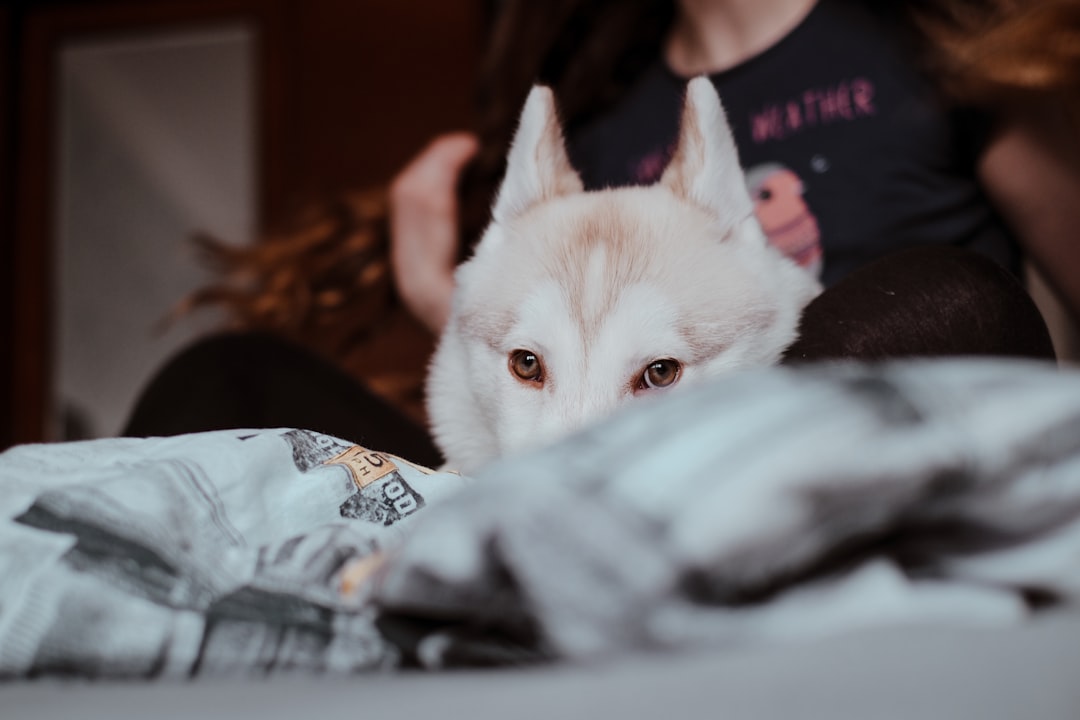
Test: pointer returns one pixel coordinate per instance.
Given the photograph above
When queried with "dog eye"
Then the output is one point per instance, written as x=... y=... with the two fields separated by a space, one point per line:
x=660 y=374
x=526 y=365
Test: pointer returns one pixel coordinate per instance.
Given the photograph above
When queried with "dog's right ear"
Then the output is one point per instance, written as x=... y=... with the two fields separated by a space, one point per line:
x=538 y=167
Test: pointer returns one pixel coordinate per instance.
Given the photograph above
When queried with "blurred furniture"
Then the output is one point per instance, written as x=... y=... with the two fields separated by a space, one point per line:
x=344 y=93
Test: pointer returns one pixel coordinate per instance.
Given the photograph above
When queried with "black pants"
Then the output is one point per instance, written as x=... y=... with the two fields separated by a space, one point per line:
x=248 y=380
x=921 y=302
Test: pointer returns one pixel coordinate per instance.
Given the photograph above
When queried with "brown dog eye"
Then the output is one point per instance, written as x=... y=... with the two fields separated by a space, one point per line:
x=526 y=365
x=660 y=374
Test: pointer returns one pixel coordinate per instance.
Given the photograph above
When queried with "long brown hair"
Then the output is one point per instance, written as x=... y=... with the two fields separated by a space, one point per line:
x=987 y=51
x=327 y=283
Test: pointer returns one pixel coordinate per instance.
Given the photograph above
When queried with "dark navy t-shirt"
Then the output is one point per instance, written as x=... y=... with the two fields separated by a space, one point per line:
x=848 y=152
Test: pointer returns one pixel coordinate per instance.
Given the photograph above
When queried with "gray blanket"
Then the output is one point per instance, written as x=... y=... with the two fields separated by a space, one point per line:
x=766 y=507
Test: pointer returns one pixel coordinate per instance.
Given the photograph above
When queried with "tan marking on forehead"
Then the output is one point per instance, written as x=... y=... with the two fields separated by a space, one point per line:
x=592 y=290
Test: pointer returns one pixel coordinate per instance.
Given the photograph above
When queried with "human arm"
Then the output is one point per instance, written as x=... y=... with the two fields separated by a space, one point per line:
x=424 y=238
x=1031 y=171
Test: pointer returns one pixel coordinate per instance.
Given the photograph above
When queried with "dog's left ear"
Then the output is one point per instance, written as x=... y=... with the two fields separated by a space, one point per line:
x=538 y=168
x=705 y=169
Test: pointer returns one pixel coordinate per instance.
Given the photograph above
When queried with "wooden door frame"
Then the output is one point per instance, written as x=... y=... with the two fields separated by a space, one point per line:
x=7 y=240
x=27 y=395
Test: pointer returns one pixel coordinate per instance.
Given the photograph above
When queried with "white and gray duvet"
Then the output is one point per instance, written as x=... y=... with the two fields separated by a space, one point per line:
x=762 y=508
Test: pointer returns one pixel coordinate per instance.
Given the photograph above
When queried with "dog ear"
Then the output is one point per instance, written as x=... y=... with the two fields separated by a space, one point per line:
x=705 y=168
x=538 y=168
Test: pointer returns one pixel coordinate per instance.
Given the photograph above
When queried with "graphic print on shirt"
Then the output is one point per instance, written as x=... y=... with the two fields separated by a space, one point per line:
x=789 y=225
x=777 y=188
x=844 y=101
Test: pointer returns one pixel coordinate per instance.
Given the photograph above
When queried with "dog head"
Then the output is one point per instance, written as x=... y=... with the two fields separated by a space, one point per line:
x=575 y=302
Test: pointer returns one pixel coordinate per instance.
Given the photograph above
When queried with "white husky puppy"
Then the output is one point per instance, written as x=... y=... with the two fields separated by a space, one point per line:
x=575 y=302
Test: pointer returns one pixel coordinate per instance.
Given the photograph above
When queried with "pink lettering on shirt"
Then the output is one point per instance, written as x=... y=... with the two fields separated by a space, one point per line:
x=845 y=101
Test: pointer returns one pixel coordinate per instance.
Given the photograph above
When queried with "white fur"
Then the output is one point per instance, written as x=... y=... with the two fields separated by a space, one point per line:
x=601 y=284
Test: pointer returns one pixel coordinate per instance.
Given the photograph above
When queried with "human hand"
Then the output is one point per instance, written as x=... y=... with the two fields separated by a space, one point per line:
x=424 y=226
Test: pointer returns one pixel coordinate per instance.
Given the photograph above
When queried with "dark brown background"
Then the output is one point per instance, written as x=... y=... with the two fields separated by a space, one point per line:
x=347 y=91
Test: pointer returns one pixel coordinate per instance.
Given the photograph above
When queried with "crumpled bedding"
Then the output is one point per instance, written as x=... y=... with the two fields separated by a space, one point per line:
x=197 y=555
x=766 y=507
